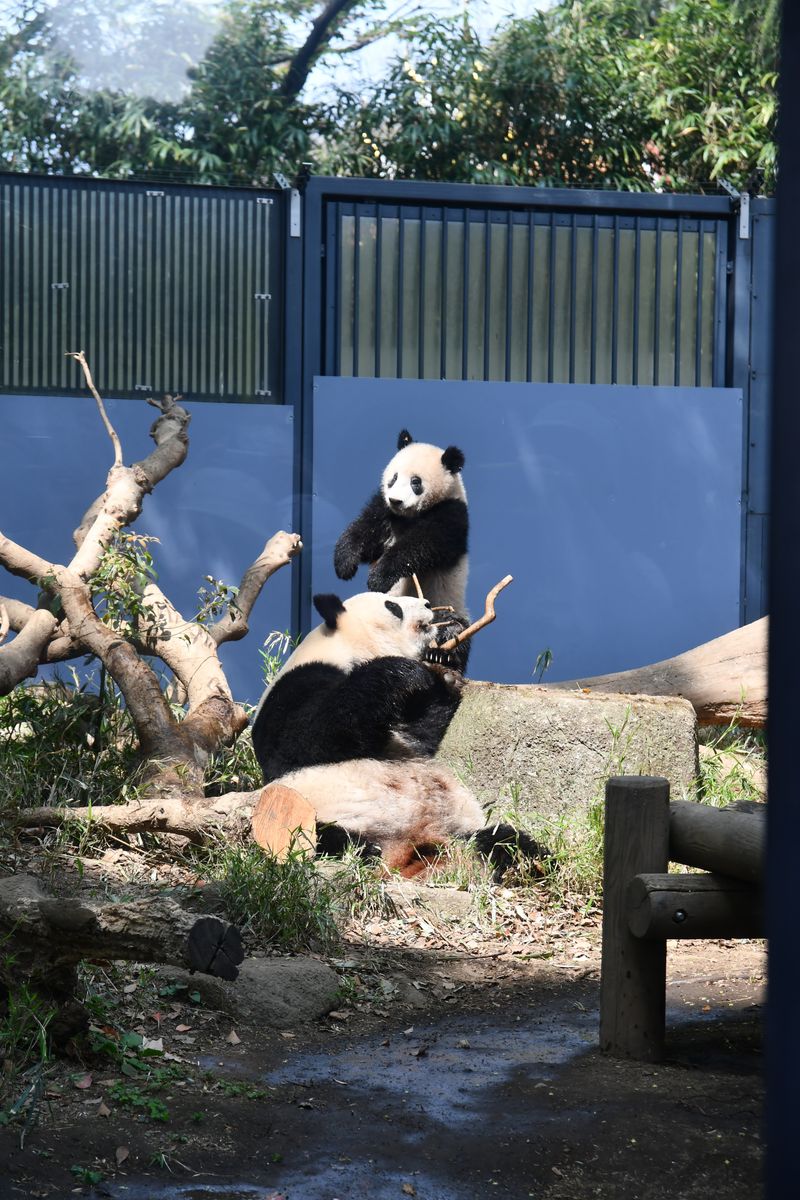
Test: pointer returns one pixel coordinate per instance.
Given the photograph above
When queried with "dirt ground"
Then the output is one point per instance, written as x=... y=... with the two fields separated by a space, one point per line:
x=460 y=1062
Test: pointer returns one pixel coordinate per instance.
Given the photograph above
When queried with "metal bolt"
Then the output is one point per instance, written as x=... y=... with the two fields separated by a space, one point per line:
x=679 y=916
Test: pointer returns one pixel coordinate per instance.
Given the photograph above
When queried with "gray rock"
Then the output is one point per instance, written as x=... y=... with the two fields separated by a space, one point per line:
x=278 y=993
x=551 y=751
x=285 y=992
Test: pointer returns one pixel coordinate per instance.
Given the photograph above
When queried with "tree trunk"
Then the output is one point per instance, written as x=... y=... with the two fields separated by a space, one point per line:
x=48 y=936
x=725 y=679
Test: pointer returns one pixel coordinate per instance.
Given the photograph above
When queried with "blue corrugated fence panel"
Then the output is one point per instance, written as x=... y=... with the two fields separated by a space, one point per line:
x=617 y=509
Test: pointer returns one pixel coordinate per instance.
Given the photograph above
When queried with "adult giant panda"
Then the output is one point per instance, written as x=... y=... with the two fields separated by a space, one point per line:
x=352 y=722
x=416 y=524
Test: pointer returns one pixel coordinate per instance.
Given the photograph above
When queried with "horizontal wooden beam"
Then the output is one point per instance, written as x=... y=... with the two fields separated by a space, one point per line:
x=693 y=906
x=718 y=839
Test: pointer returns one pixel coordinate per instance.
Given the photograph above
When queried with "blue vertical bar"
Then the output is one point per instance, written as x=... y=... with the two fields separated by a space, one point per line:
x=332 y=273
x=593 y=346
x=487 y=291
x=783 y=812
x=637 y=266
x=678 y=288
x=509 y=288
x=720 y=303
x=421 y=298
x=698 y=334
x=551 y=309
x=305 y=341
x=615 y=304
x=356 y=287
x=465 y=302
x=529 y=313
x=378 y=268
x=573 y=287
x=657 y=306
x=443 y=302
x=401 y=254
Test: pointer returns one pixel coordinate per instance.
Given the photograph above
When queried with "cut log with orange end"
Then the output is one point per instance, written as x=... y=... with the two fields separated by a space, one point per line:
x=284 y=819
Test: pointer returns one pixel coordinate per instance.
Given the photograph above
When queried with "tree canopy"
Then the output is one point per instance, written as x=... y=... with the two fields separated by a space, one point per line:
x=673 y=94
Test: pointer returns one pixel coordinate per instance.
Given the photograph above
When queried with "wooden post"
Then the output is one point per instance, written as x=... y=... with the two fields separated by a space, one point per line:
x=634 y=972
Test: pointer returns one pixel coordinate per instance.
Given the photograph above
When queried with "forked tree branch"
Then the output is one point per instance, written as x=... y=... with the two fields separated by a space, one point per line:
x=487 y=618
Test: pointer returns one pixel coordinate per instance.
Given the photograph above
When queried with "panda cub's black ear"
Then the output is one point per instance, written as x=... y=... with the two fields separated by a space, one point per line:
x=329 y=607
x=404 y=439
x=453 y=459
x=394 y=608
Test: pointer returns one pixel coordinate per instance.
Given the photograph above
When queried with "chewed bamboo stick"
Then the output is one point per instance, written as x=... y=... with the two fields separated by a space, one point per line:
x=486 y=619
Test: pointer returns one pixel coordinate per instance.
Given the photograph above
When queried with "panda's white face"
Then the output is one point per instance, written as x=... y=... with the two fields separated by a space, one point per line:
x=418 y=477
x=369 y=625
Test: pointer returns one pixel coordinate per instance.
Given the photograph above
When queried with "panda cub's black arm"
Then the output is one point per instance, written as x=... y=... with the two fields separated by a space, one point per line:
x=435 y=540
x=363 y=539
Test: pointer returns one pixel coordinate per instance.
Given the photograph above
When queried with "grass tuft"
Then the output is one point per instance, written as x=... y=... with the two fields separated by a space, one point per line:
x=285 y=904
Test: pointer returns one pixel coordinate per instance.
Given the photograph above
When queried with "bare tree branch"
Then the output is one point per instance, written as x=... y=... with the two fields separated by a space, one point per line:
x=278 y=552
x=80 y=357
x=126 y=487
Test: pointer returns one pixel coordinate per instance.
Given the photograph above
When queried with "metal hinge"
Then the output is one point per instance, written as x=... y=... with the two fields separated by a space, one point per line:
x=150 y=192
x=143 y=387
x=264 y=200
x=59 y=287
x=263 y=392
x=741 y=204
x=262 y=295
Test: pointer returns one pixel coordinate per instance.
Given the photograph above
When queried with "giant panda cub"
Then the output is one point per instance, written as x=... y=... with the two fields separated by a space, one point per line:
x=416 y=524
x=352 y=722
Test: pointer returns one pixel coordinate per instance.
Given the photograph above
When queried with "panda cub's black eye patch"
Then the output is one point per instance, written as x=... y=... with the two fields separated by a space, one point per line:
x=392 y=481
x=394 y=608
x=416 y=485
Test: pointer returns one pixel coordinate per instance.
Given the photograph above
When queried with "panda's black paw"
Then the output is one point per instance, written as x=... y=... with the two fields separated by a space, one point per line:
x=504 y=847
x=380 y=580
x=345 y=561
x=449 y=675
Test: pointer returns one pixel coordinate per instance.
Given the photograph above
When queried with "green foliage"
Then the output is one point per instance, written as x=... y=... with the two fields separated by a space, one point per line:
x=281 y=903
x=120 y=580
x=276 y=649
x=129 y=1096
x=637 y=94
x=23 y=1027
x=86 y=1175
x=65 y=744
x=600 y=93
x=214 y=598
x=119 y=88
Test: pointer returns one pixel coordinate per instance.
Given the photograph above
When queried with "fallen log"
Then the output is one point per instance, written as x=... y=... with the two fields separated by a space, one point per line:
x=47 y=935
x=724 y=679
x=197 y=819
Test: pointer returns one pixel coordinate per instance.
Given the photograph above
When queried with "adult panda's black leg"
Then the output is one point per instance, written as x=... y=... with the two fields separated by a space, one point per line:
x=504 y=846
x=334 y=841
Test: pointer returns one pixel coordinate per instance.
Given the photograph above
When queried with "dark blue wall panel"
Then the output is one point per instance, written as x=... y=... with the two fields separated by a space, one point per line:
x=212 y=515
x=617 y=510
